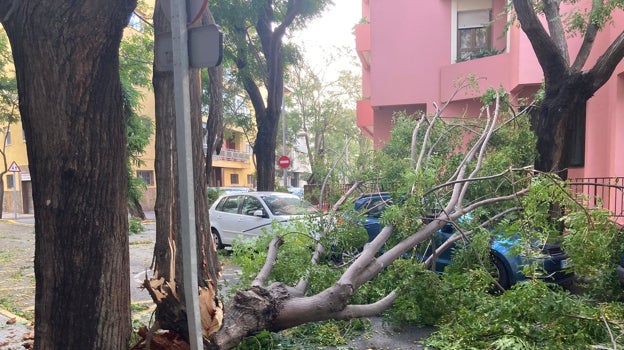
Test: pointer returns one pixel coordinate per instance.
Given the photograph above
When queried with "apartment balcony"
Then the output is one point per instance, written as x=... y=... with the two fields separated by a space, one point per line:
x=364 y=116
x=230 y=155
x=363 y=43
x=492 y=71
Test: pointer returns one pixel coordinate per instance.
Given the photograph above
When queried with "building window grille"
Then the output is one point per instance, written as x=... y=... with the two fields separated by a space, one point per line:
x=147 y=176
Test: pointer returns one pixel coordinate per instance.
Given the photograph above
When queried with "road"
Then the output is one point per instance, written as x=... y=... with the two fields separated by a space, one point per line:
x=17 y=292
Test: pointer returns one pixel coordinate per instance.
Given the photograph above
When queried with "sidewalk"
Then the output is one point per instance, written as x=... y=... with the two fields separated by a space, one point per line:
x=16 y=333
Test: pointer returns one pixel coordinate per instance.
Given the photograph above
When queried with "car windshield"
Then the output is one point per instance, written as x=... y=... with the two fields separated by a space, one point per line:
x=288 y=205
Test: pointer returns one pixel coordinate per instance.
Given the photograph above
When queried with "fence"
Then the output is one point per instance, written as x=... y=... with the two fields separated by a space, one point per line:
x=605 y=192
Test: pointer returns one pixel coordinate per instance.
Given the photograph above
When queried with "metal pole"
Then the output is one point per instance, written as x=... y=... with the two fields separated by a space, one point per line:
x=14 y=196
x=284 y=172
x=185 y=170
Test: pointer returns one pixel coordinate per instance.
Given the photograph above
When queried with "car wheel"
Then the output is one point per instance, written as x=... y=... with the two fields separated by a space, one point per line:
x=499 y=272
x=216 y=238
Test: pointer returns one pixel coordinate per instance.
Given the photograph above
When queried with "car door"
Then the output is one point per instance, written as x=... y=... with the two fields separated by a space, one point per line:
x=249 y=223
x=226 y=214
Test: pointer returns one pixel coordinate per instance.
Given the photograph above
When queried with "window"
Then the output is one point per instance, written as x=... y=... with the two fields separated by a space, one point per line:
x=147 y=176
x=234 y=179
x=229 y=204
x=250 y=180
x=250 y=205
x=230 y=143
x=10 y=181
x=473 y=34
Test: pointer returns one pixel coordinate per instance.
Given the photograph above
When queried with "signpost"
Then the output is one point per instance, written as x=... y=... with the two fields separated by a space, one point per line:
x=172 y=53
x=15 y=169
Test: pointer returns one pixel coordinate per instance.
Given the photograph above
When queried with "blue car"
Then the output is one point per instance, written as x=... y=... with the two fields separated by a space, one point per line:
x=508 y=266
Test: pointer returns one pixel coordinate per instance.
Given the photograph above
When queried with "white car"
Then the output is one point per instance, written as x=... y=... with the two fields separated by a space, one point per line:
x=250 y=213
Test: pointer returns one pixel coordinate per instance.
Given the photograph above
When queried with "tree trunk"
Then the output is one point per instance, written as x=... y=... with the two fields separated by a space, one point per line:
x=67 y=68
x=214 y=125
x=136 y=210
x=167 y=287
x=2 y=192
x=264 y=149
x=562 y=110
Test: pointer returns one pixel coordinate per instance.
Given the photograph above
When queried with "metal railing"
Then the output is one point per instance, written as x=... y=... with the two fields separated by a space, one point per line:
x=605 y=192
x=231 y=155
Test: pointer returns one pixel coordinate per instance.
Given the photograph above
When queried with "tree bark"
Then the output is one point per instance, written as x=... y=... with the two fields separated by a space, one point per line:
x=563 y=106
x=67 y=69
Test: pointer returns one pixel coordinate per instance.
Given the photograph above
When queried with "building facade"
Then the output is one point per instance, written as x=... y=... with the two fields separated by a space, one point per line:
x=413 y=53
x=233 y=166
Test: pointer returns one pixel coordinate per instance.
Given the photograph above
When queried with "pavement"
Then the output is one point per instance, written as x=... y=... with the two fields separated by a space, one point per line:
x=17 y=292
x=17 y=244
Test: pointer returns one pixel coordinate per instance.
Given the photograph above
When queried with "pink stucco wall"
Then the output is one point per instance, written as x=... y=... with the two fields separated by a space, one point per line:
x=404 y=47
x=411 y=65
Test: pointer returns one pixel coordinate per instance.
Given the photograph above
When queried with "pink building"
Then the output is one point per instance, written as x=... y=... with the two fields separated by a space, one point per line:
x=414 y=52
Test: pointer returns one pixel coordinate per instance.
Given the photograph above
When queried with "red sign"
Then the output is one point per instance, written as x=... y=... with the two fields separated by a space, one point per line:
x=283 y=162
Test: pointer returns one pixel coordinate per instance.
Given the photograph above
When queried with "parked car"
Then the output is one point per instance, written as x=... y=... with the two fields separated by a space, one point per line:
x=232 y=189
x=298 y=191
x=249 y=213
x=508 y=267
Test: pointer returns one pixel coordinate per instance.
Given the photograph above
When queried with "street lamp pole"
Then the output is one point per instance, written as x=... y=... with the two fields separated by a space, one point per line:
x=284 y=171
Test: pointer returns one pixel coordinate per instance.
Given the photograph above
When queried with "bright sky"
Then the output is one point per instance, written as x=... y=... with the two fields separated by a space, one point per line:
x=333 y=29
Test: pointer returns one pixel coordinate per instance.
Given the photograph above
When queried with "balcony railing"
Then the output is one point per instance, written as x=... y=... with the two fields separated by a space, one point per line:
x=605 y=192
x=231 y=155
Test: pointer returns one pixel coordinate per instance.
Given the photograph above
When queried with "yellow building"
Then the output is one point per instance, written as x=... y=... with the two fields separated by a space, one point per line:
x=234 y=165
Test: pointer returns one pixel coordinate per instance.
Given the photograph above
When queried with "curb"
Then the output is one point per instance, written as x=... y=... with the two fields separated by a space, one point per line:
x=15 y=222
x=8 y=314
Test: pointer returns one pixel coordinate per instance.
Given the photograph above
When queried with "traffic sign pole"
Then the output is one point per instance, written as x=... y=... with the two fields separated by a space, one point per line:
x=179 y=40
x=15 y=169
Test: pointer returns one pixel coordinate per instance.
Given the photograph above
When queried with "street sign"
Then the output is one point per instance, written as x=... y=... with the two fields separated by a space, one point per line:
x=205 y=48
x=283 y=162
x=14 y=168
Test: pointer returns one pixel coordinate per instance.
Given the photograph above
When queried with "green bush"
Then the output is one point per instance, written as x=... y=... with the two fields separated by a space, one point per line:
x=135 y=226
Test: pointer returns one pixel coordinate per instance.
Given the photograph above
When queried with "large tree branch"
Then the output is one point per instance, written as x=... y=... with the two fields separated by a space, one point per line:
x=550 y=59
x=588 y=39
x=606 y=64
x=555 y=28
x=369 y=310
x=266 y=269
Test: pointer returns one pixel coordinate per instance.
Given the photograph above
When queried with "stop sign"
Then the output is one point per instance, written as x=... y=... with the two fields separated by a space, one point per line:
x=283 y=162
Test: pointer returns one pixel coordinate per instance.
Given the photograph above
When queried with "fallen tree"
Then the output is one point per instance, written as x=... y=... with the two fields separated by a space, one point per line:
x=275 y=306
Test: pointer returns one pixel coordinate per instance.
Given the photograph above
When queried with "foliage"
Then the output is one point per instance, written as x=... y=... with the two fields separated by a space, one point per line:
x=531 y=315
x=135 y=226
x=9 y=112
x=136 y=57
x=320 y=112
x=256 y=54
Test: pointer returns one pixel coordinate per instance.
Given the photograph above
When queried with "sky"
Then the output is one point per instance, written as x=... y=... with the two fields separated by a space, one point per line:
x=333 y=29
